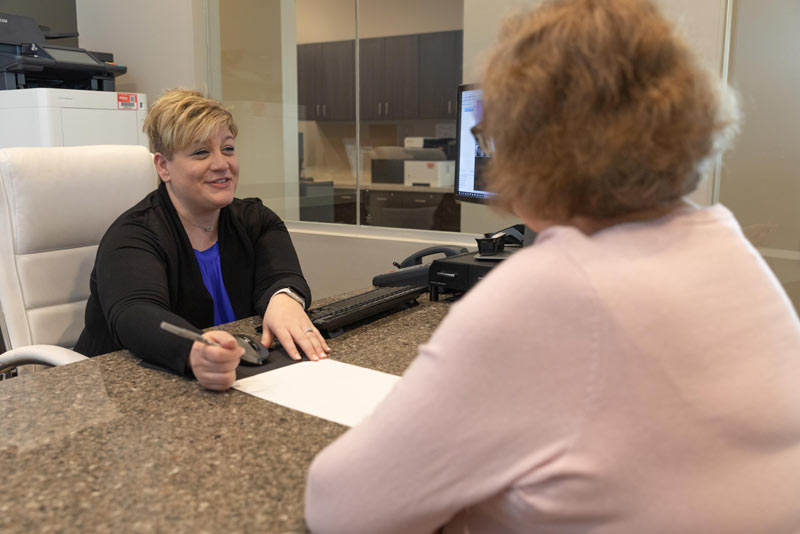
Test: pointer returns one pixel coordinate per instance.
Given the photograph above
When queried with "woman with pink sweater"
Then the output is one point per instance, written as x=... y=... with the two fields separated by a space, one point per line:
x=637 y=369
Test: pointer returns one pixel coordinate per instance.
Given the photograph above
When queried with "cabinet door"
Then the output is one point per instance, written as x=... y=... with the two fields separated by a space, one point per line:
x=377 y=204
x=440 y=74
x=344 y=205
x=371 y=78
x=338 y=75
x=309 y=81
x=402 y=77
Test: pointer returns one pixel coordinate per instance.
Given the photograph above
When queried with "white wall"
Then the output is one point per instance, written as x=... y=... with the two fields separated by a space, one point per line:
x=760 y=181
x=161 y=42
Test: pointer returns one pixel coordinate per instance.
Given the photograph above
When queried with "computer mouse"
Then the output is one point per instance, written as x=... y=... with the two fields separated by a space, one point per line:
x=254 y=352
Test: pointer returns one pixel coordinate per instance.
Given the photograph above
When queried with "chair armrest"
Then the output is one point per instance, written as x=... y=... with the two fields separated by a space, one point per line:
x=51 y=355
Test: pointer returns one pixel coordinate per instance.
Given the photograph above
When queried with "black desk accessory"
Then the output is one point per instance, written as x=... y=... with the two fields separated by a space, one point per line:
x=331 y=319
x=415 y=275
x=254 y=352
x=457 y=274
x=277 y=358
x=491 y=244
x=411 y=271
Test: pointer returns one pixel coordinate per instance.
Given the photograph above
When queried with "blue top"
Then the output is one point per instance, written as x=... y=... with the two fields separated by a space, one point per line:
x=212 y=278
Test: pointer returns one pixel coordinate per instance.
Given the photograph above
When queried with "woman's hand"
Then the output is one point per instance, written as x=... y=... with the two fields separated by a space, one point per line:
x=215 y=367
x=286 y=319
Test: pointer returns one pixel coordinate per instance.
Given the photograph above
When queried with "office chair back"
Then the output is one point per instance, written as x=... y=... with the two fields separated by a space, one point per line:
x=55 y=205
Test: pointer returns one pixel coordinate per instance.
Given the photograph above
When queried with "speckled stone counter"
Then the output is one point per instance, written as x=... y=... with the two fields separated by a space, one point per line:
x=109 y=445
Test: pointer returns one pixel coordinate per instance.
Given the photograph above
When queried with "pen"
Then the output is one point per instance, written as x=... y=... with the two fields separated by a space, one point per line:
x=188 y=334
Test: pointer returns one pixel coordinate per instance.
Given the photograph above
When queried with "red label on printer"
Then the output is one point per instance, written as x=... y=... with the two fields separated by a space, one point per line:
x=127 y=101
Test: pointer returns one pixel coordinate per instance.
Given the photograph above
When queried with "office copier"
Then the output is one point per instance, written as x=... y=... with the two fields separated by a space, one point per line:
x=59 y=96
x=28 y=61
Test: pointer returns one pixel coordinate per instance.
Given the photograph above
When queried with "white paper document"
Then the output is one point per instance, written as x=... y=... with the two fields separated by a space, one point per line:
x=332 y=390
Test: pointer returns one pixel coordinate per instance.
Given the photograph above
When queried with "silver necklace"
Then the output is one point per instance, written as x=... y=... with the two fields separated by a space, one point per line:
x=209 y=228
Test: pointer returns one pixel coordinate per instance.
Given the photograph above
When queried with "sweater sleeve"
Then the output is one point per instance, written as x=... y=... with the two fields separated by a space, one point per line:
x=500 y=389
x=134 y=296
x=276 y=263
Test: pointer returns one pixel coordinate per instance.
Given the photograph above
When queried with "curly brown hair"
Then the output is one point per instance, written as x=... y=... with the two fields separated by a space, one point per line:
x=596 y=108
x=181 y=117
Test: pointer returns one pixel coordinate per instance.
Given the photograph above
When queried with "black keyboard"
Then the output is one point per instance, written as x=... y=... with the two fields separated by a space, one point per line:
x=331 y=318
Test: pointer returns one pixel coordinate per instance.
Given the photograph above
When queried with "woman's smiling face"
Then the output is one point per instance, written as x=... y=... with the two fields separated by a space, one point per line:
x=203 y=176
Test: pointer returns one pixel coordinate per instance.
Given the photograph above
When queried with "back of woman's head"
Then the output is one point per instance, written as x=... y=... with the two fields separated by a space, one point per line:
x=181 y=117
x=596 y=108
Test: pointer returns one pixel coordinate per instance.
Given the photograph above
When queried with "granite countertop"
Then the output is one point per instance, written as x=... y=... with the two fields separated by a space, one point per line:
x=110 y=445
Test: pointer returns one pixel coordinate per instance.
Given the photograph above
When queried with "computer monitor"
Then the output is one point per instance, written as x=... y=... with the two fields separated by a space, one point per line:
x=471 y=160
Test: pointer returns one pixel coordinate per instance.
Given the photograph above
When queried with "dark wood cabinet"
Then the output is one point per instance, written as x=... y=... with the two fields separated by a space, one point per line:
x=389 y=77
x=344 y=205
x=372 y=84
x=309 y=58
x=338 y=74
x=401 y=77
x=326 y=81
x=440 y=57
x=316 y=201
x=413 y=209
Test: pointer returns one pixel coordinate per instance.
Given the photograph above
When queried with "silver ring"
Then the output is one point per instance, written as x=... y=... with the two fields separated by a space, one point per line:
x=308 y=329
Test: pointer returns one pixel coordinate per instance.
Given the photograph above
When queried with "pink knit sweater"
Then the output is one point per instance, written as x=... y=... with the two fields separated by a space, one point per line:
x=643 y=379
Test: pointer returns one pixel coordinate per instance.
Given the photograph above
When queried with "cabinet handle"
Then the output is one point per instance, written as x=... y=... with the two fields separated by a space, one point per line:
x=446 y=275
x=387 y=109
x=379 y=109
x=317 y=115
x=420 y=200
x=324 y=111
x=449 y=106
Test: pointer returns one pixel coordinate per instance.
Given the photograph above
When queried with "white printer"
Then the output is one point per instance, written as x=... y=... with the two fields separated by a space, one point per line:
x=429 y=173
x=71 y=117
x=436 y=171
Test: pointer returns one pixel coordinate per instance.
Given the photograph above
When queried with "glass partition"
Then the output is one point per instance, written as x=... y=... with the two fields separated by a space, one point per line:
x=410 y=65
x=326 y=98
x=346 y=109
x=257 y=55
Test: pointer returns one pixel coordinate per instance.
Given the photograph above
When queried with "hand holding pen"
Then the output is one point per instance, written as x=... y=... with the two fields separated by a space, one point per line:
x=213 y=358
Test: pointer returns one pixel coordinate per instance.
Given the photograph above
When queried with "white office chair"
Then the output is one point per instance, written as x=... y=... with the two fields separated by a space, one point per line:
x=55 y=205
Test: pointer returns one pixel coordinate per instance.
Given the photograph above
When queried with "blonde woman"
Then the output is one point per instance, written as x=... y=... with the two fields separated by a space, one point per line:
x=192 y=254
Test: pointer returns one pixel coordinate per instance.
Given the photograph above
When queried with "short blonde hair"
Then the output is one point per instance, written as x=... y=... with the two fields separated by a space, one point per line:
x=596 y=108
x=181 y=117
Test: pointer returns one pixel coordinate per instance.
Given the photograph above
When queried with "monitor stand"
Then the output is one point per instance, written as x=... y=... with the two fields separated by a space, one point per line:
x=459 y=273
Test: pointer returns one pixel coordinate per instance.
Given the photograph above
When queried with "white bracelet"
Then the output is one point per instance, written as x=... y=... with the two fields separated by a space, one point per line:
x=293 y=294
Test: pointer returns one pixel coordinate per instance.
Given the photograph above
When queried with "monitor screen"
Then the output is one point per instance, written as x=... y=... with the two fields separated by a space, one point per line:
x=471 y=160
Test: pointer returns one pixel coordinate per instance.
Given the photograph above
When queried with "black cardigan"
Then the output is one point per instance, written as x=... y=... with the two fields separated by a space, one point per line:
x=146 y=272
